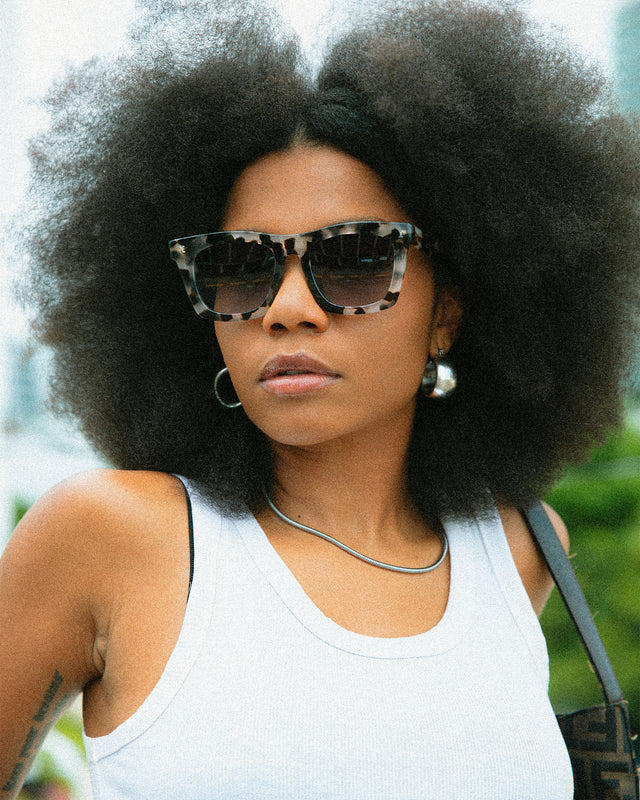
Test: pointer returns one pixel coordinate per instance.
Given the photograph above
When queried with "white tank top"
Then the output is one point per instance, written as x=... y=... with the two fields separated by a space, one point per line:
x=266 y=698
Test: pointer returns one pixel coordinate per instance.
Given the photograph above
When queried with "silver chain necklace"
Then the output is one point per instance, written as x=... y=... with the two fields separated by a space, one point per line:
x=408 y=570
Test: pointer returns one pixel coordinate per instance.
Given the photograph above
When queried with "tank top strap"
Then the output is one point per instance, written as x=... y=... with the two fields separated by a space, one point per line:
x=498 y=554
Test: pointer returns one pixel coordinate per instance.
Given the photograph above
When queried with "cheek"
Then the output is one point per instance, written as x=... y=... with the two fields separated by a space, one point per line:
x=391 y=362
x=405 y=344
x=228 y=336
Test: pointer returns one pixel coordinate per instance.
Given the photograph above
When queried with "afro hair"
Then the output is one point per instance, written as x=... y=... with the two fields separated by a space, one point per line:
x=499 y=141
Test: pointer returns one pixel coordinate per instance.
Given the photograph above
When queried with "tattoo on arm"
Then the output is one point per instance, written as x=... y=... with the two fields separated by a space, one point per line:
x=36 y=734
x=49 y=697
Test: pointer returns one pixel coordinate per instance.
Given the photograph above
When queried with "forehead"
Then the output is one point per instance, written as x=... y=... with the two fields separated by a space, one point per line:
x=308 y=187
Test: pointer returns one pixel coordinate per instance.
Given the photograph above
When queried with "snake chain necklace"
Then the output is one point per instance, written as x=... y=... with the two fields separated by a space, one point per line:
x=392 y=567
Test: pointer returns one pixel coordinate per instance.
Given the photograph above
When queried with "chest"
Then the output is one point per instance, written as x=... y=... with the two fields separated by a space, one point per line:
x=148 y=609
x=266 y=696
x=362 y=597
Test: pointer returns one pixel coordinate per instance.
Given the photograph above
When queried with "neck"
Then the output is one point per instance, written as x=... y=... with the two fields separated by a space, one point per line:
x=355 y=488
x=361 y=556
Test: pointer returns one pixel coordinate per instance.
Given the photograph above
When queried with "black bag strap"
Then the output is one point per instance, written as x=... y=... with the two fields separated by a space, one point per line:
x=571 y=592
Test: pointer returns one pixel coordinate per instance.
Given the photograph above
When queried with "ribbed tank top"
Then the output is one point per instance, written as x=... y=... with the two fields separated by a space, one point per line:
x=266 y=698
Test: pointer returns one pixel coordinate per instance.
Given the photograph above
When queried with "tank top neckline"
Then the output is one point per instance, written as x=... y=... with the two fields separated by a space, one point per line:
x=445 y=635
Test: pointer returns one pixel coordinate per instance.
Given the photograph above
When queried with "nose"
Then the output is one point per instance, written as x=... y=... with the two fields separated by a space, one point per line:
x=294 y=306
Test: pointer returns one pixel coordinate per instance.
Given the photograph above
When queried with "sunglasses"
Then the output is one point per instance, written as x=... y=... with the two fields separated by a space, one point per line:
x=351 y=268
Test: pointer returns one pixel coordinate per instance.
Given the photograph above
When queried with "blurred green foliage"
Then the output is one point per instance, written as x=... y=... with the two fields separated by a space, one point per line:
x=48 y=779
x=600 y=504
x=20 y=508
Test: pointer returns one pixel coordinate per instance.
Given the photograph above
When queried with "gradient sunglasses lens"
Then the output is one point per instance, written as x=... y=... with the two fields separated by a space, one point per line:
x=233 y=276
x=352 y=269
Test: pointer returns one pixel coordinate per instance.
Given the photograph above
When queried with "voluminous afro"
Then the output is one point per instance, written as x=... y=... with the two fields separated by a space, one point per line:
x=499 y=143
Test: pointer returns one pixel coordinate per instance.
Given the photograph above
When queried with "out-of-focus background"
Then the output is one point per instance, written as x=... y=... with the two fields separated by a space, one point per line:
x=600 y=501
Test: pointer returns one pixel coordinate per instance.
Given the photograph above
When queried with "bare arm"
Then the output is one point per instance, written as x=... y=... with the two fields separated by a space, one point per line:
x=531 y=566
x=46 y=630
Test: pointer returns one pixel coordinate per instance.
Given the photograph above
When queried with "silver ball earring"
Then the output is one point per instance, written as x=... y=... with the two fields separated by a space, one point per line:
x=216 y=391
x=439 y=379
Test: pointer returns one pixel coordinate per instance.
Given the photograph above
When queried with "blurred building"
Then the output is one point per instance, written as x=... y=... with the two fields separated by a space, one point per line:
x=36 y=39
x=627 y=54
x=626 y=60
x=9 y=159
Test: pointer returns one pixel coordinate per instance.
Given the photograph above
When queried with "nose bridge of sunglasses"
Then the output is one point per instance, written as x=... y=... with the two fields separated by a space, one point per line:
x=293 y=272
x=295 y=281
x=291 y=246
x=295 y=245
x=294 y=248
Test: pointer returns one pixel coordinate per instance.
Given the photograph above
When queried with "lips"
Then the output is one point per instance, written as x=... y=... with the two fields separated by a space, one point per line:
x=295 y=374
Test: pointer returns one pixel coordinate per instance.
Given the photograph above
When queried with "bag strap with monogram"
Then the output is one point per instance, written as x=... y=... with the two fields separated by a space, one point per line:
x=598 y=739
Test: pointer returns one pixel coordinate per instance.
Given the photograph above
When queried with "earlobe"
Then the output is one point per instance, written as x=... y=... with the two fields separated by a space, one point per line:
x=447 y=319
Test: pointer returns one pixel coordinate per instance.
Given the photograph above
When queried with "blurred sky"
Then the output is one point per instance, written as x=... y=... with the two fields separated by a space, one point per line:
x=37 y=38
x=73 y=29
x=588 y=22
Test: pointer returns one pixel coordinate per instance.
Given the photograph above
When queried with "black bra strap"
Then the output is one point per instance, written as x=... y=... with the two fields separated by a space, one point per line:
x=570 y=590
x=191 y=542
x=192 y=557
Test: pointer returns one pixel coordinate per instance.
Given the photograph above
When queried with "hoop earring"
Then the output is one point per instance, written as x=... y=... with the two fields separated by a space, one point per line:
x=439 y=379
x=216 y=391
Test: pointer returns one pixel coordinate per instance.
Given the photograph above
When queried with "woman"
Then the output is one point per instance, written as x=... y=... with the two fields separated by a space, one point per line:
x=454 y=192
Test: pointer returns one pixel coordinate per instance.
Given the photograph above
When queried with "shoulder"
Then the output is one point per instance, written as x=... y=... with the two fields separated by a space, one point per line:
x=93 y=543
x=118 y=489
x=528 y=560
x=92 y=509
x=89 y=532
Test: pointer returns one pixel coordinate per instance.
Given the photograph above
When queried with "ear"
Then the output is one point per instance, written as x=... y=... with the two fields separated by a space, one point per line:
x=447 y=318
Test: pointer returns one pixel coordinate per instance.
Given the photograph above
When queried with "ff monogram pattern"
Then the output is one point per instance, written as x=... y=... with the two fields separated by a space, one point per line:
x=598 y=741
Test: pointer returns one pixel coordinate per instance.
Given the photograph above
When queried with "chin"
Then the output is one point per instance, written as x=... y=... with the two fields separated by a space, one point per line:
x=300 y=438
x=295 y=425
